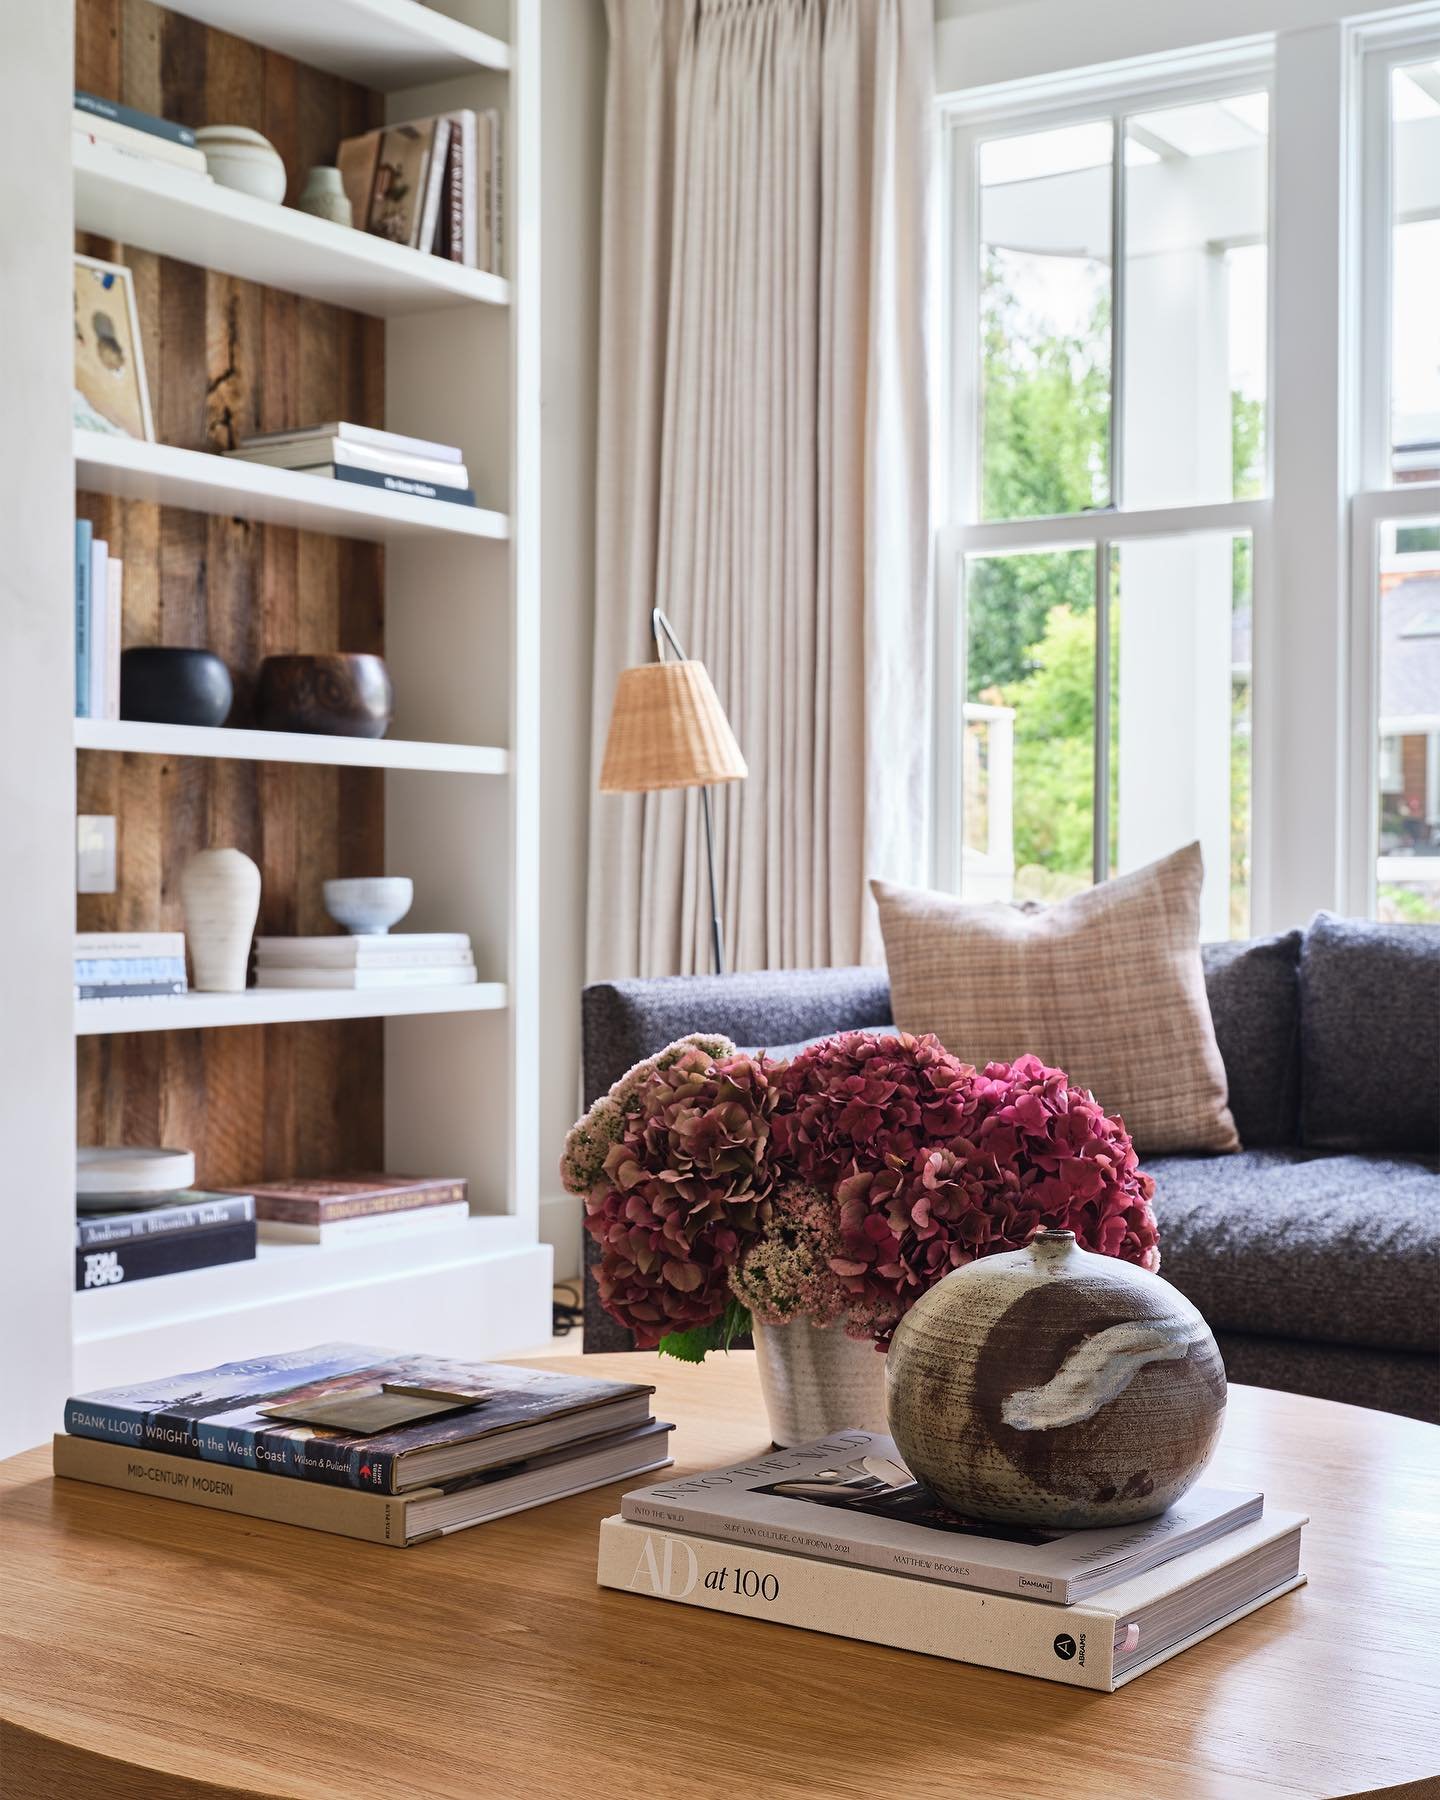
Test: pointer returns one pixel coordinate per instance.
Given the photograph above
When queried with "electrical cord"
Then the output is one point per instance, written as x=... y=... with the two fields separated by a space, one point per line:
x=566 y=1314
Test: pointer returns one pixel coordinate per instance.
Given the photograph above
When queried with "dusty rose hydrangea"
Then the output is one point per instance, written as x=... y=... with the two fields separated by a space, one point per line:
x=589 y=1140
x=786 y=1274
x=860 y=1102
x=684 y=1186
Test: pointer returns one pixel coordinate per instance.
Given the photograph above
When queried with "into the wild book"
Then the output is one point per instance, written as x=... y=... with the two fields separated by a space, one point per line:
x=494 y=1413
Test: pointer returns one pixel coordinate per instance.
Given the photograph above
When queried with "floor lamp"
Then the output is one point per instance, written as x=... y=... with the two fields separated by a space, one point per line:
x=669 y=730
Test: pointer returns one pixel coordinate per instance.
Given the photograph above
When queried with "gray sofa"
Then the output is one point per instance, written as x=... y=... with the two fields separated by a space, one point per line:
x=1315 y=1251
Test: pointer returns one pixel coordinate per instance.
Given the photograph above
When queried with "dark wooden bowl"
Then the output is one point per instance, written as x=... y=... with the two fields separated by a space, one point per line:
x=332 y=693
x=170 y=686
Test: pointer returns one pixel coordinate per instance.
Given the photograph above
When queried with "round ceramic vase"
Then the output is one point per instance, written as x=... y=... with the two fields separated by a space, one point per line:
x=324 y=196
x=816 y=1380
x=1049 y=1386
x=240 y=158
x=220 y=895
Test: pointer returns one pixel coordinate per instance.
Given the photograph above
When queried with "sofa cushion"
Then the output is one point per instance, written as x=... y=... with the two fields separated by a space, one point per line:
x=1341 y=1249
x=1370 y=1035
x=1254 y=994
x=1107 y=985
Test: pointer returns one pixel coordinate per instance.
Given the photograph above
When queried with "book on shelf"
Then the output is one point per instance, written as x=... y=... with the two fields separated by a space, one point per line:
x=367 y=1227
x=849 y=1499
x=192 y=1210
x=326 y=1199
x=315 y=452
x=130 y=990
x=330 y=976
x=101 y=971
x=369 y=436
x=98 y=592
x=394 y=948
x=84 y=539
x=399 y=194
x=1102 y=1643
x=114 y=637
x=99 y=607
x=141 y=1259
x=400 y=1520
x=116 y=944
x=395 y=484
x=133 y=119
x=435 y=184
x=503 y=1414
x=149 y=147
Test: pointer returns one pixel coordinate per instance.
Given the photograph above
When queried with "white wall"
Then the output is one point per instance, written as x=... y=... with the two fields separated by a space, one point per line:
x=37 y=764
x=572 y=57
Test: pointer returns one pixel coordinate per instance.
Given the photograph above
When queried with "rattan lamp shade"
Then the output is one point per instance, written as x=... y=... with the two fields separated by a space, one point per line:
x=668 y=730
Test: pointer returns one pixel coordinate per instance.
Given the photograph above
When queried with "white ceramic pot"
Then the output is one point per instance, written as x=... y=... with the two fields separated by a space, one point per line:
x=816 y=1380
x=220 y=895
x=368 y=905
x=241 y=159
x=324 y=196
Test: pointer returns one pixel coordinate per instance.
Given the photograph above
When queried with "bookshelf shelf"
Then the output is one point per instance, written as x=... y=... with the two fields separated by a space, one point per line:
x=202 y=482
x=384 y=44
x=137 y=736
x=175 y=213
x=280 y=1006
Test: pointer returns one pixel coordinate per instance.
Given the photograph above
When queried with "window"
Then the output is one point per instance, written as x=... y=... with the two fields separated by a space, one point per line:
x=1095 y=578
x=1414 y=218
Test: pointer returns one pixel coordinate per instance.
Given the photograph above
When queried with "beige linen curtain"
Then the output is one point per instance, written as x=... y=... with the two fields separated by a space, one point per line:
x=763 y=464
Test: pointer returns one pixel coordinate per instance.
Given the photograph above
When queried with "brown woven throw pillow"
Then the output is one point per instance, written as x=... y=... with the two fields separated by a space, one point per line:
x=1107 y=985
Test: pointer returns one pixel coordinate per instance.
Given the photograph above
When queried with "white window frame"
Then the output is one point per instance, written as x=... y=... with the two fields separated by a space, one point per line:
x=1314 y=800
x=965 y=122
x=1378 y=500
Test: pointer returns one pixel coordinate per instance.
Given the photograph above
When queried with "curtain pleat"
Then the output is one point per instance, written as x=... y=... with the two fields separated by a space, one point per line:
x=763 y=464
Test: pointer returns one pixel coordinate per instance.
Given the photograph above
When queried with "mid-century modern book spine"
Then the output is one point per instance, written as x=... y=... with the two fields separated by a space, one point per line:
x=376 y=1518
x=999 y=1631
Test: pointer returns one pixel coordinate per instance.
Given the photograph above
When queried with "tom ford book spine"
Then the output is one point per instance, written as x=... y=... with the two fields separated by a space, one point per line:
x=1075 y=1645
x=373 y=1518
x=142 y=1259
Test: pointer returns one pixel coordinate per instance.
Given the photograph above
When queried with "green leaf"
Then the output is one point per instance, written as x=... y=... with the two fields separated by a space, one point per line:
x=694 y=1345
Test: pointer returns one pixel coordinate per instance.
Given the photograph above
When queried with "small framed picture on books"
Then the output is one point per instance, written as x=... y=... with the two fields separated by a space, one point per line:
x=111 y=393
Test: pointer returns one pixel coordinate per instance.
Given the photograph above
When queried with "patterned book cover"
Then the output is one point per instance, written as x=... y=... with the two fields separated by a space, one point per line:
x=324 y=1200
x=214 y=1414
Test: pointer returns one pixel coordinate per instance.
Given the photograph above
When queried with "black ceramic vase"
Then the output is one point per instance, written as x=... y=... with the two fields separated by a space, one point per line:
x=174 y=687
x=335 y=693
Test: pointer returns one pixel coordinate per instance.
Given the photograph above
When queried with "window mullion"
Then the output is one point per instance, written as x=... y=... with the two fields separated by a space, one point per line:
x=1117 y=312
x=1100 y=851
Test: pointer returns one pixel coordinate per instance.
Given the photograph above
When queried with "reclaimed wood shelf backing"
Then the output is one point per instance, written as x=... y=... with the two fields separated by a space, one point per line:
x=226 y=358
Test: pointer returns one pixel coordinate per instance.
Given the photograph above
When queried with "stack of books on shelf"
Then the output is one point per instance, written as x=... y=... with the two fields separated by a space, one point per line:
x=432 y=184
x=195 y=1230
x=398 y=959
x=128 y=965
x=140 y=134
x=99 y=578
x=343 y=1438
x=341 y=451
x=837 y=1537
x=347 y=1209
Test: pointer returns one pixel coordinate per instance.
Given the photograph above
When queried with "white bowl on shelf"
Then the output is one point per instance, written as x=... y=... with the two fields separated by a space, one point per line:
x=109 y=1177
x=240 y=158
x=368 y=905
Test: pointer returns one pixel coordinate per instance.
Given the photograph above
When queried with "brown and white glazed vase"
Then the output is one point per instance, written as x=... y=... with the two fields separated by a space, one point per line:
x=1049 y=1386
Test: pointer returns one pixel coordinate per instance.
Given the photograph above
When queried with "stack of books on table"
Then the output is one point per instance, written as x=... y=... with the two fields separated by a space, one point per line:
x=99 y=579
x=340 y=451
x=344 y=1438
x=398 y=959
x=837 y=1537
x=346 y=1209
x=194 y=1230
x=127 y=965
x=139 y=134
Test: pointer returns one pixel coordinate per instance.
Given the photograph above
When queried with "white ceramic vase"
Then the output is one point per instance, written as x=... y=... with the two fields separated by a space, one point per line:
x=816 y=1380
x=220 y=895
x=324 y=196
x=240 y=158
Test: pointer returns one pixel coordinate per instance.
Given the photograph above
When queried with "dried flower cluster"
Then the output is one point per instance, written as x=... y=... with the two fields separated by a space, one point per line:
x=841 y=1186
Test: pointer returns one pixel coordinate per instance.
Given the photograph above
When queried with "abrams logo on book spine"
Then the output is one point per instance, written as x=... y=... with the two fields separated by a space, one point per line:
x=1070 y=1649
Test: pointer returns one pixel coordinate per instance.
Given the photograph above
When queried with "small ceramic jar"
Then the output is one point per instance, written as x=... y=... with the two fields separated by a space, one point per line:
x=241 y=159
x=324 y=196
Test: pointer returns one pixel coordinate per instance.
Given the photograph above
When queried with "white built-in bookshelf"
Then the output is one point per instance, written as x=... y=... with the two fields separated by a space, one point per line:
x=462 y=642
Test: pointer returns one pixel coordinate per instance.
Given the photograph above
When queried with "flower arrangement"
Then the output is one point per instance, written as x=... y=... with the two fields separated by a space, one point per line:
x=838 y=1187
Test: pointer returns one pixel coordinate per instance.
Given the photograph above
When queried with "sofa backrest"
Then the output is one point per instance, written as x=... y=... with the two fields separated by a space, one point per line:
x=1254 y=992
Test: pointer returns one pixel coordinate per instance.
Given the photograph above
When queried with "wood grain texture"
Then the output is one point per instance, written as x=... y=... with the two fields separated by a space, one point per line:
x=225 y=358
x=208 y=1654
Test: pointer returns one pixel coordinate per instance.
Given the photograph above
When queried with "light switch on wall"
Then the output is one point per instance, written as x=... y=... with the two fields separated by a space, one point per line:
x=95 y=854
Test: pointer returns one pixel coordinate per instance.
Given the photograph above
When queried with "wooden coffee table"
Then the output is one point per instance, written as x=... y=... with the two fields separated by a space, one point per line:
x=152 y=1649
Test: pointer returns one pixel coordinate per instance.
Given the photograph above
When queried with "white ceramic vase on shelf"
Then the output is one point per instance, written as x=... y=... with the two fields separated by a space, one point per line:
x=816 y=1380
x=220 y=895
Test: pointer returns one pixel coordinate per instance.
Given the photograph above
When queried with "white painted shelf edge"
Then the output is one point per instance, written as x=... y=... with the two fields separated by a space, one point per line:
x=204 y=482
x=385 y=44
x=280 y=1006
x=138 y=736
x=284 y=1271
x=176 y=213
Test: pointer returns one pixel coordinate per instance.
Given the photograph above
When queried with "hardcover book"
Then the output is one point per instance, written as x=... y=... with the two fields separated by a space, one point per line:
x=1102 y=1643
x=130 y=943
x=193 y=1210
x=395 y=949
x=320 y=1200
x=216 y=1416
x=136 y=120
x=849 y=1499
x=395 y=484
x=141 y=1259
x=457 y=975
x=365 y=1229
x=369 y=435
